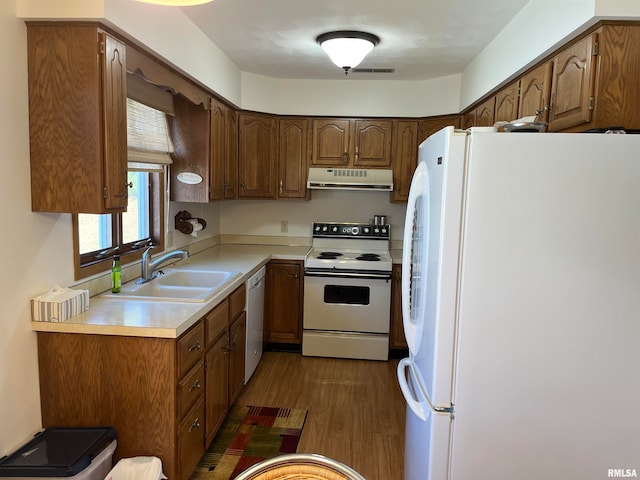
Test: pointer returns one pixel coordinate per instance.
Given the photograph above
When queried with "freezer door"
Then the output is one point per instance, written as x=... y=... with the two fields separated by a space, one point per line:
x=427 y=432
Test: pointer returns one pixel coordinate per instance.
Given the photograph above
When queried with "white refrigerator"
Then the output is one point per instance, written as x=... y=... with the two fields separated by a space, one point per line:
x=521 y=306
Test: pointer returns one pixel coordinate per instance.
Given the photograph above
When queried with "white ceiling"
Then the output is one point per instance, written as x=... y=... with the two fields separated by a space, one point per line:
x=420 y=39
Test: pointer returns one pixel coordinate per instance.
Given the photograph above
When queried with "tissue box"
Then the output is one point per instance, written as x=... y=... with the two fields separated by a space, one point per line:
x=59 y=304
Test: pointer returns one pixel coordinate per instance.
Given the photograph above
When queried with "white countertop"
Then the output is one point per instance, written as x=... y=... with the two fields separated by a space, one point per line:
x=143 y=318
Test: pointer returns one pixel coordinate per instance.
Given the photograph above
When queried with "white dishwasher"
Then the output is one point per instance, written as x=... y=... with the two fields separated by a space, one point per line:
x=255 y=315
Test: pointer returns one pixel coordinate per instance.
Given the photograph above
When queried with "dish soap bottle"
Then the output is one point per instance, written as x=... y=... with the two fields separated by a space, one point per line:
x=116 y=275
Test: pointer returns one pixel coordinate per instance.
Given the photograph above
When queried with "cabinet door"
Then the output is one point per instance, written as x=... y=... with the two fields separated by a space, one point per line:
x=506 y=107
x=189 y=128
x=331 y=141
x=572 y=85
x=191 y=440
x=77 y=119
x=405 y=158
x=535 y=90
x=237 y=347
x=293 y=157
x=468 y=119
x=372 y=143
x=231 y=162
x=429 y=126
x=283 y=308
x=257 y=156
x=218 y=139
x=397 y=339
x=485 y=113
x=114 y=111
x=217 y=385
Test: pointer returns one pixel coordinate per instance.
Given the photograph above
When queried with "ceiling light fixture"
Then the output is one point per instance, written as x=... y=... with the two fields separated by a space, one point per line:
x=347 y=48
x=176 y=3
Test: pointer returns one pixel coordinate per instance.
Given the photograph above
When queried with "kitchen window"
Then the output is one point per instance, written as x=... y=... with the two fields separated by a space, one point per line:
x=97 y=238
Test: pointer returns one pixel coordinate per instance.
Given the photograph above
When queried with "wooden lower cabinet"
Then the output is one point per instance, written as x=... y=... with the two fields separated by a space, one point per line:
x=397 y=339
x=283 y=302
x=237 y=346
x=166 y=397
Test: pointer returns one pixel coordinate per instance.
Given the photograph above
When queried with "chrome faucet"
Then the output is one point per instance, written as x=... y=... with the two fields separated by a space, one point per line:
x=149 y=266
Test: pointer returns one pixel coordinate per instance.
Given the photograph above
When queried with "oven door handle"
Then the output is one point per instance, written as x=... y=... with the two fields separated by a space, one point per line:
x=342 y=274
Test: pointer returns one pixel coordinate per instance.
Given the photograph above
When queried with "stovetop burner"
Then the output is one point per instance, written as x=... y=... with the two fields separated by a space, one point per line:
x=368 y=257
x=329 y=255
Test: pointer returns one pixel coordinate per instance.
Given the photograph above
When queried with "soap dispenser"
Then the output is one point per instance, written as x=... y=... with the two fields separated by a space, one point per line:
x=116 y=275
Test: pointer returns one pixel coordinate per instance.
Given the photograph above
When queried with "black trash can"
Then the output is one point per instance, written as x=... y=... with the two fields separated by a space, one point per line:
x=71 y=453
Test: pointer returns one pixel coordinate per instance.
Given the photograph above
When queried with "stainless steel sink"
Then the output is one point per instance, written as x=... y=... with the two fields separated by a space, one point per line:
x=177 y=285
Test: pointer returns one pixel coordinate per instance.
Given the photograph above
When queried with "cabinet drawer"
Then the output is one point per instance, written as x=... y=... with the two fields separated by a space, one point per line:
x=237 y=301
x=216 y=321
x=190 y=388
x=191 y=439
x=190 y=349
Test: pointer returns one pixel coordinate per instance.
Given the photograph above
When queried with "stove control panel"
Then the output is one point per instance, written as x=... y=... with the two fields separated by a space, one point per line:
x=350 y=230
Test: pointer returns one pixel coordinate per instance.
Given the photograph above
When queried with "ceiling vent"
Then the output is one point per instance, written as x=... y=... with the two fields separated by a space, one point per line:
x=373 y=70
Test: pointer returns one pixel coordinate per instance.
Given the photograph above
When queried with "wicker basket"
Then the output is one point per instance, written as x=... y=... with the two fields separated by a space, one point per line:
x=300 y=466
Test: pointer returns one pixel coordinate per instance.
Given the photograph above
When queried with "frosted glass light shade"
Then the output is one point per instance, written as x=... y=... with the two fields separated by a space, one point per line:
x=176 y=3
x=347 y=49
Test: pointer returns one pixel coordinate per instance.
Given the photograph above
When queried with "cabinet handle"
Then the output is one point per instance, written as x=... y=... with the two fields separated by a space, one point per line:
x=241 y=184
x=281 y=186
x=357 y=153
x=195 y=424
x=129 y=185
x=345 y=156
x=196 y=385
x=195 y=346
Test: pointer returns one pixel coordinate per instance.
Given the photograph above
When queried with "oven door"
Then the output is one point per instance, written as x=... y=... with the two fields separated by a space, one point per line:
x=347 y=303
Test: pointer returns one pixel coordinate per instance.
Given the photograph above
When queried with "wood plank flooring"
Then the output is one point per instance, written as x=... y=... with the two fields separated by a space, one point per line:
x=356 y=410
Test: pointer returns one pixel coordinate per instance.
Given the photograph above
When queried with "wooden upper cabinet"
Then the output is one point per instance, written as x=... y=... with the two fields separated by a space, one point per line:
x=617 y=96
x=429 y=126
x=572 y=85
x=189 y=128
x=331 y=142
x=352 y=142
x=405 y=158
x=506 y=103
x=468 y=119
x=77 y=119
x=485 y=113
x=257 y=156
x=293 y=157
x=535 y=91
x=219 y=139
x=231 y=163
x=372 y=143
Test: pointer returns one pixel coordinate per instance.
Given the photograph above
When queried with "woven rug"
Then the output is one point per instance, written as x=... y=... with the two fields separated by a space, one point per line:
x=247 y=436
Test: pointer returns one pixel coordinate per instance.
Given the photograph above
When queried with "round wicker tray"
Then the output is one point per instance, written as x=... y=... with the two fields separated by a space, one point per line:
x=300 y=466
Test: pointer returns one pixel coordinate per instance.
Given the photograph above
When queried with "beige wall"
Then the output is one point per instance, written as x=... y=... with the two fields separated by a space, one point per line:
x=35 y=248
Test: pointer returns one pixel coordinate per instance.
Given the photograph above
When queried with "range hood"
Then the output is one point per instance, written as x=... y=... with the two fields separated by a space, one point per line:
x=350 y=179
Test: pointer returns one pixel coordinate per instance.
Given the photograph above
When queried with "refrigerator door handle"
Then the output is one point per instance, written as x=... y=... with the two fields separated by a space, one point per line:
x=407 y=392
x=414 y=404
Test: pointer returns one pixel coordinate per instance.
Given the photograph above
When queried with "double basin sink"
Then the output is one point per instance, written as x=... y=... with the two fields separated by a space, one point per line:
x=177 y=285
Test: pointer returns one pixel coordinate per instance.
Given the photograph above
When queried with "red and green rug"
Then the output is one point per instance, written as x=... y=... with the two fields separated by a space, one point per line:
x=247 y=436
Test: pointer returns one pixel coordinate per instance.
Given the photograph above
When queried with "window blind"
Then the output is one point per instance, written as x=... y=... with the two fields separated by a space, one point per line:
x=147 y=134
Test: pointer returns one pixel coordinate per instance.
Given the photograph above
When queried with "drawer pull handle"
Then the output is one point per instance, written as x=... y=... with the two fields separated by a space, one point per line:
x=195 y=424
x=196 y=385
x=195 y=346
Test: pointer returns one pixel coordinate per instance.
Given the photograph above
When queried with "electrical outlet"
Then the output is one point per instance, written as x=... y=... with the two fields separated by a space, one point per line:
x=284 y=226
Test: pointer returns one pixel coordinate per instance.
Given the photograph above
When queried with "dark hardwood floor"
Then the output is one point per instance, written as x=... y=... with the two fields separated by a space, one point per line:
x=356 y=410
